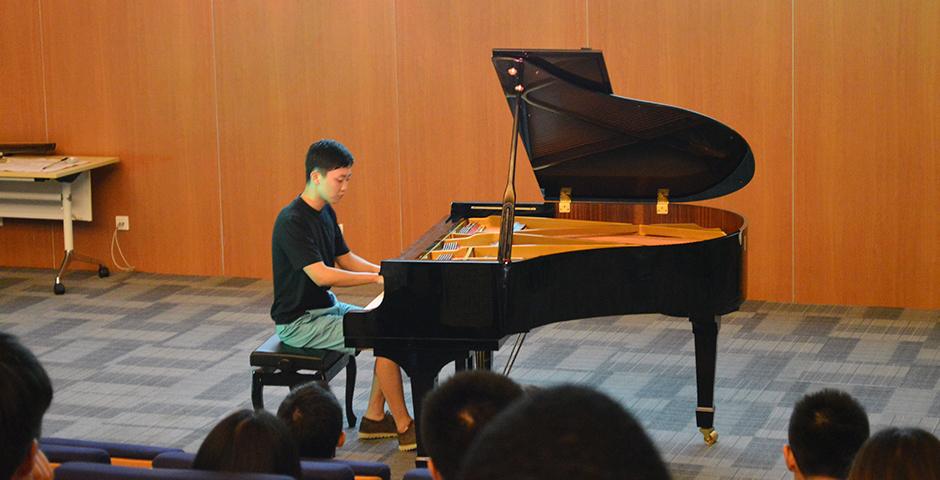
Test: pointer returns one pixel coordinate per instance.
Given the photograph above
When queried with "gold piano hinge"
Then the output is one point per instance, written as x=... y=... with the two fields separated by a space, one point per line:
x=662 y=201
x=564 y=200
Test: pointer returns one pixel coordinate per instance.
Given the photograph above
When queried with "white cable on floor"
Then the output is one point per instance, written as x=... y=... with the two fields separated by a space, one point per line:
x=127 y=267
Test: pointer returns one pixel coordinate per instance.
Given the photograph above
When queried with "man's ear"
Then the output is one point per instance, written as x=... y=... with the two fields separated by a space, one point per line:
x=26 y=468
x=435 y=473
x=342 y=439
x=314 y=177
x=790 y=459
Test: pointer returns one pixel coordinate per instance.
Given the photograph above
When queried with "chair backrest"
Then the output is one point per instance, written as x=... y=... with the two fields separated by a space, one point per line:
x=365 y=470
x=418 y=474
x=125 y=454
x=57 y=454
x=309 y=469
x=98 y=471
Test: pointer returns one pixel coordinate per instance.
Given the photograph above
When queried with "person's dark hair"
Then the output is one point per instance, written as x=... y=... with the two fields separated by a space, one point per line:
x=898 y=454
x=27 y=394
x=826 y=429
x=314 y=418
x=249 y=441
x=560 y=433
x=453 y=413
x=326 y=155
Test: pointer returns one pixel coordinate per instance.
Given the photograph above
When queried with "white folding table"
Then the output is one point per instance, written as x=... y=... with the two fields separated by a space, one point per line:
x=61 y=191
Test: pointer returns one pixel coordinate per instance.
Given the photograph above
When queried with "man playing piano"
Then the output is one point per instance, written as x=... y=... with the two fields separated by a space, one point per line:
x=309 y=256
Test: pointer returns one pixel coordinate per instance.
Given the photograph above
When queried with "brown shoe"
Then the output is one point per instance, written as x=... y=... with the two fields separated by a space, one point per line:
x=384 y=428
x=407 y=440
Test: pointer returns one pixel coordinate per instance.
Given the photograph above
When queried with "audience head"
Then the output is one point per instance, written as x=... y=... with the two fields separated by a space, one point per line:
x=249 y=441
x=826 y=429
x=326 y=155
x=315 y=420
x=27 y=393
x=454 y=412
x=560 y=433
x=898 y=454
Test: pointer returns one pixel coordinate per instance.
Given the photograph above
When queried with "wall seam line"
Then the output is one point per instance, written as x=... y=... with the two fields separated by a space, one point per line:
x=401 y=205
x=45 y=107
x=218 y=135
x=793 y=151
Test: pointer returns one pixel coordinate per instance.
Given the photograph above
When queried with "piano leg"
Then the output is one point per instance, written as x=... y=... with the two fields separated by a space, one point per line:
x=705 y=328
x=422 y=367
x=462 y=364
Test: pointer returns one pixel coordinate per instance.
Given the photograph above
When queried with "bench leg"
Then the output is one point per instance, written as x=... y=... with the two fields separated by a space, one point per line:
x=350 y=391
x=257 y=390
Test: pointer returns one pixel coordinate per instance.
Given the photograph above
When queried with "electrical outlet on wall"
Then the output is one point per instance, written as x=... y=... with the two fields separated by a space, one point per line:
x=122 y=222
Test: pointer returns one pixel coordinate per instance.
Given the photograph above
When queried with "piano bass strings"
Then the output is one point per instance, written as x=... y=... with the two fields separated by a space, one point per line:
x=477 y=238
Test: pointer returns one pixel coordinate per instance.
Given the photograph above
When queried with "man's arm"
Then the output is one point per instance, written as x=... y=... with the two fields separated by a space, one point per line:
x=325 y=276
x=354 y=263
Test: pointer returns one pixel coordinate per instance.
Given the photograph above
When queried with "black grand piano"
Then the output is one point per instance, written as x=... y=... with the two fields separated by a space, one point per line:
x=612 y=237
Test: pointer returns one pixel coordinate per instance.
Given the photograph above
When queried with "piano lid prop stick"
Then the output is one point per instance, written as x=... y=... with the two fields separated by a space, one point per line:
x=509 y=196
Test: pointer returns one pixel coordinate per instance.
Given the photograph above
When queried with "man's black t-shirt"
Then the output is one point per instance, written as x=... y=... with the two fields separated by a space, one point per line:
x=302 y=236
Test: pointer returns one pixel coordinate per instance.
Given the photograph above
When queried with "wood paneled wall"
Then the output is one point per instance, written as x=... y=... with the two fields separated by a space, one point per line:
x=211 y=105
x=22 y=118
x=867 y=153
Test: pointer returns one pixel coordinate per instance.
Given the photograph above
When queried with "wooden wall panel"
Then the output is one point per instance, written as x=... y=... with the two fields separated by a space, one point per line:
x=730 y=61
x=291 y=73
x=841 y=210
x=867 y=153
x=134 y=79
x=21 y=99
x=22 y=242
x=455 y=124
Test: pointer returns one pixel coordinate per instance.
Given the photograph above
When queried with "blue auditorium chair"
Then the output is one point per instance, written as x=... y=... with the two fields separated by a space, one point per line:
x=98 y=471
x=362 y=469
x=310 y=469
x=58 y=454
x=123 y=454
x=418 y=474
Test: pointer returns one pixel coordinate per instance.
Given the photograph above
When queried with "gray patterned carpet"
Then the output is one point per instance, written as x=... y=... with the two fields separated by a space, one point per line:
x=159 y=359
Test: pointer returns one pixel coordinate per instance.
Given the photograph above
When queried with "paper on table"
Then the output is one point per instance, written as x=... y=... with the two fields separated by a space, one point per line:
x=37 y=164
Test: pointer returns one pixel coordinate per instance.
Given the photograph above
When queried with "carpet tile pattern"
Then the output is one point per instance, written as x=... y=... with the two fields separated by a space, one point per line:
x=159 y=359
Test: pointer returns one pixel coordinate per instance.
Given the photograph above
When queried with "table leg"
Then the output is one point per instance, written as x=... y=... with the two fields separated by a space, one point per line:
x=58 y=288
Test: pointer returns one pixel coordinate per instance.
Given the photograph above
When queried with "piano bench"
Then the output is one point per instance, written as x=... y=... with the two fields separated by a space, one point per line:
x=281 y=365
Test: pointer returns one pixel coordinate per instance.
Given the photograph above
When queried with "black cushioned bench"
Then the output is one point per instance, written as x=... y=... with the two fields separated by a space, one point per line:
x=281 y=365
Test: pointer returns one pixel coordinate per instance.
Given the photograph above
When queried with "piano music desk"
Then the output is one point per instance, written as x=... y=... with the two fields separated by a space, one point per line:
x=63 y=194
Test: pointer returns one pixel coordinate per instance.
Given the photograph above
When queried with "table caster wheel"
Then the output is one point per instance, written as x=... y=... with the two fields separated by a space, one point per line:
x=103 y=271
x=58 y=288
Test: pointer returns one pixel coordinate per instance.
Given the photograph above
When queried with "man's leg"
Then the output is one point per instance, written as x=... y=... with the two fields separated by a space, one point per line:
x=389 y=379
x=376 y=409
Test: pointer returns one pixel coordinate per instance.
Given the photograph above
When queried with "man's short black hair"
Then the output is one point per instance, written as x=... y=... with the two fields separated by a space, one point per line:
x=826 y=430
x=453 y=413
x=326 y=155
x=25 y=395
x=561 y=433
x=315 y=420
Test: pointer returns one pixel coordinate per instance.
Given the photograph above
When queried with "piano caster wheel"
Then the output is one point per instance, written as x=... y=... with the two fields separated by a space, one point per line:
x=710 y=436
x=103 y=271
x=58 y=288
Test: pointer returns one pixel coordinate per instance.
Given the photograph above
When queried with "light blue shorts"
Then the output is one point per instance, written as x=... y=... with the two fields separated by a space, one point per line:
x=319 y=328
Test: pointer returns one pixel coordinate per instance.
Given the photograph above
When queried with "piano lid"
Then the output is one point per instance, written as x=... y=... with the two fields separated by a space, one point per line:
x=579 y=135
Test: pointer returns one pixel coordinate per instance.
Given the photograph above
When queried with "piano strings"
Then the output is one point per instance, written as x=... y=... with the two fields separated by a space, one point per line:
x=477 y=238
